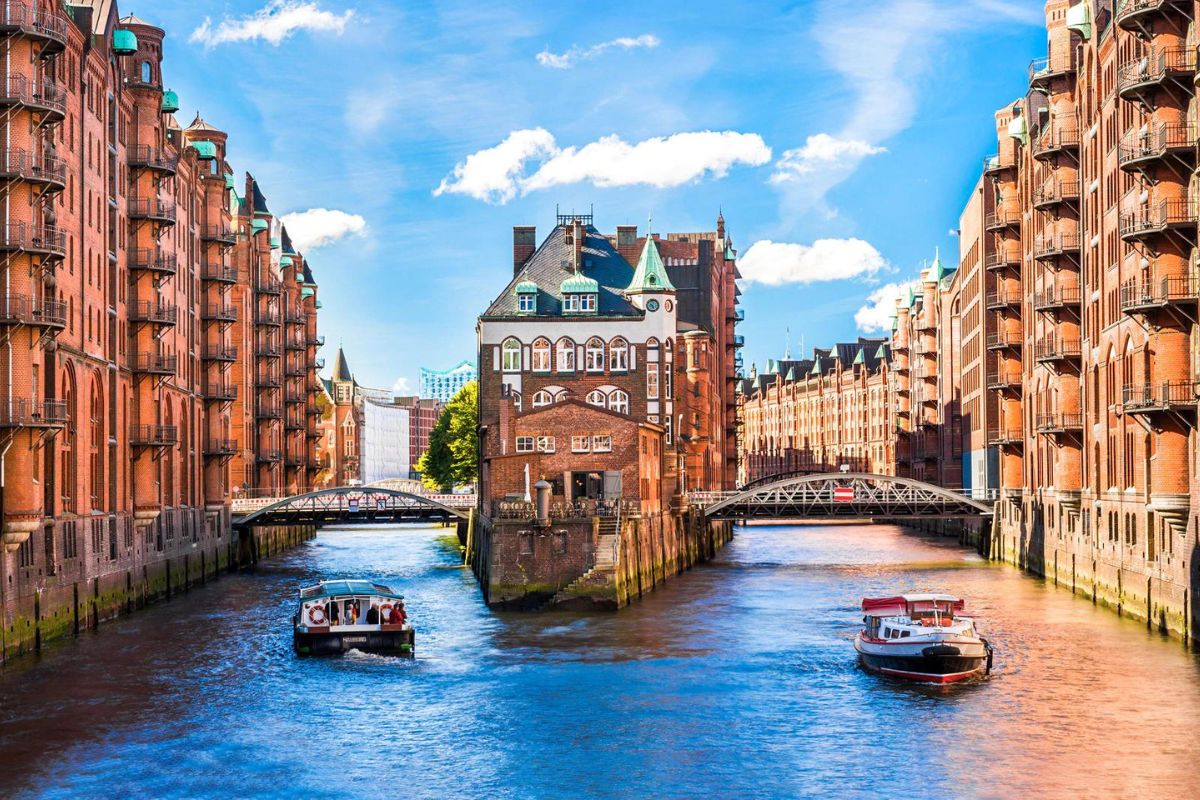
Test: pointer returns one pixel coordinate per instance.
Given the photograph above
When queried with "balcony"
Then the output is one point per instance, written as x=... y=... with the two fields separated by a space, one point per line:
x=318 y=363
x=999 y=299
x=269 y=286
x=154 y=436
x=1049 y=246
x=313 y=434
x=293 y=343
x=268 y=380
x=24 y=413
x=312 y=411
x=296 y=460
x=316 y=341
x=22 y=165
x=1138 y=79
x=1002 y=259
x=1005 y=437
x=293 y=422
x=1055 y=139
x=22 y=310
x=1178 y=216
x=220 y=352
x=1044 y=70
x=293 y=397
x=218 y=273
x=35 y=239
x=220 y=448
x=1004 y=379
x=1160 y=397
x=1052 y=194
x=45 y=98
x=267 y=318
x=998 y=162
x=999 y=220
x=267 y=350
x=143 y=156
x=154 y=312
x=1139 y=297
x=219 y=391
x=145 y=259
x=219 y=234
x=214 y=312
x=294 y=317
x=294 y=371
x=268 y=456
x=154 y=363
x=1056 y=423
x=1141 y=150
x=1001 y=340
x=153 y=209
x=1053 y=349
x=737 y=339
x=1132 y=15
x=1056 y=298
x=264 y=410
x=27 y=20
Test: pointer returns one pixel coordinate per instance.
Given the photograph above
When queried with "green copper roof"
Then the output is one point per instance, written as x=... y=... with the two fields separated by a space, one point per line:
x=579 y=284
x=772 y=367
x=274 y=242
x=318 y=304
x=206 y=150
x=307 y=291
x=817 y=369
x=526 y=287
x=1079 y=18
x=285 y=261
x=861 y=358
x=259 y=225
x=650 y=275
x=791 y=375
x=124 y=43
x=1017 y=129
x=170 y=102
x=881 y=353
x=907 y=299
x=895 y=322
x=936 y=270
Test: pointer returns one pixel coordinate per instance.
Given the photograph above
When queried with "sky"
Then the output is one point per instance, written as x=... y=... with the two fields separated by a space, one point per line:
x=401 y=141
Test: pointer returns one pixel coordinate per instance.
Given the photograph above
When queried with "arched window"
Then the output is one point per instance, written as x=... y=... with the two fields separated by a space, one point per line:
x=540 y=356
x=510 y=355
x=147 y=76
x=542 y=398
x=618 y=355
x=619 y=401
x=564 y=355
x=594 y=355
x=97 y=444
x=597 y=398
x=516 y=400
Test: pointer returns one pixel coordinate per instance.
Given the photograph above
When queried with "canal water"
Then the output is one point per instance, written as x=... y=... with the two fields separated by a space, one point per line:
x=736 y=679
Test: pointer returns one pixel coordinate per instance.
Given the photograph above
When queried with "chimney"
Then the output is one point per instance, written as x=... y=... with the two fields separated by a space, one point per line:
x=506 y=414
x=577 y=235
x=627 y=243
x=524 y=243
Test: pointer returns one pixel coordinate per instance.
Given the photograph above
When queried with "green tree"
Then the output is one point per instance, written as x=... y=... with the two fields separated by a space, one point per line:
x=453 y=443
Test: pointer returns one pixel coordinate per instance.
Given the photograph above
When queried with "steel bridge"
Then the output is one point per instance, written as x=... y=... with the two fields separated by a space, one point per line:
x=352 y=505
x=840 y=495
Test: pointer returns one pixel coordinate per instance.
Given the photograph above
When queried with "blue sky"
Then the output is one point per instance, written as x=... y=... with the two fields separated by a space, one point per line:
x=841 y=139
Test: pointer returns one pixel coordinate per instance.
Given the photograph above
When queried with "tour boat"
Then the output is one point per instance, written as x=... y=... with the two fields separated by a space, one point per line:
x=920 y=637
x=340 y=615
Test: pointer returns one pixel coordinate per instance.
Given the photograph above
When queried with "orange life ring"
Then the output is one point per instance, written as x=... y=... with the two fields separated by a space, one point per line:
x=385 y=610
x=316 y=615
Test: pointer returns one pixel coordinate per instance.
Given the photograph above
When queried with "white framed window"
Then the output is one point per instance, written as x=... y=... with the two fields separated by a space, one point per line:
x=602 y=443
x=571 y=302
x=545 y=444
x=542 y=398
x=597 y=398
x=585 y=302
x=594 y=355
x=524 y=444
x=651 y=381
x=526 y=302
x=619 y=401
x=564 y=355
x=580 y=444
x=510 y=355
x=516 y=400
x=618 y=355
x=540 y=355
x=668 y=380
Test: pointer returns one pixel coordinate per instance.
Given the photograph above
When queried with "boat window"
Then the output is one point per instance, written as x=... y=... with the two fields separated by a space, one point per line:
x=905 y=634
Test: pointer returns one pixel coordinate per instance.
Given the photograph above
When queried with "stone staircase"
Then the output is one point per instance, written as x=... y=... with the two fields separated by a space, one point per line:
x=605 y=561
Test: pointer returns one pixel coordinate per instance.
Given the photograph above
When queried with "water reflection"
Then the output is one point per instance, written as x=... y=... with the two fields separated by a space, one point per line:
x=736 y=679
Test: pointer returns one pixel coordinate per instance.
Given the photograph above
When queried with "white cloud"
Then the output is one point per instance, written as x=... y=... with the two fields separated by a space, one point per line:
x=492 y=174
x=272 y=23
x=497 y=174
x=876 y=315
x=401 y=387
x=778 y=263
x=822 y=152
x=321 y=226
x=575 y=53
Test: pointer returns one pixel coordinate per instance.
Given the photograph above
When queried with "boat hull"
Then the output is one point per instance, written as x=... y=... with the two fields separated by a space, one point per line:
x=316 y=643
x=926 y=662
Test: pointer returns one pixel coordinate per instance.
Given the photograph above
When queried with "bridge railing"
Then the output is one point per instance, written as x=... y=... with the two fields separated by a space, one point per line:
x=241 y=506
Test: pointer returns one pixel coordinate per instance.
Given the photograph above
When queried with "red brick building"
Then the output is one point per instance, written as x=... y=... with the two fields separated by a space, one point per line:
x=118 y=413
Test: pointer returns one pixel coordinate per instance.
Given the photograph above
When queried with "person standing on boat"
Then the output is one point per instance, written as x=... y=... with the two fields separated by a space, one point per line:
x=373 y=615
x=396 y=617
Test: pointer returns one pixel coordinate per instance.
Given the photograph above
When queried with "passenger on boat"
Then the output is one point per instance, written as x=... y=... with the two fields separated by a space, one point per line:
x=396 y=617
x=331 y=612
x=373 y=615
x=351 y=613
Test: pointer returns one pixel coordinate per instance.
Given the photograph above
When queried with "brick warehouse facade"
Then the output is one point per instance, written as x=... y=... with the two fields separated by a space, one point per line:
x=1065 y=350
x=580 y=327
x=120 y=412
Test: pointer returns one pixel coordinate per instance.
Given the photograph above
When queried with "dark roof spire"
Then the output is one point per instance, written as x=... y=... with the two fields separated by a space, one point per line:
x=341 y=370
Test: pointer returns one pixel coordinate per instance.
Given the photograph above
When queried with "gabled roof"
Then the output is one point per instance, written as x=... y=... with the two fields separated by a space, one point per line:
x=650 y=274
x=551 y=264
x=198 y=124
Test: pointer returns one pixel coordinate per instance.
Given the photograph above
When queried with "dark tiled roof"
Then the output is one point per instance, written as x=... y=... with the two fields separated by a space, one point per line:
x=286 y=241
x=260 y=202
x=308 y=276
x=545 y=267
x=341 y=370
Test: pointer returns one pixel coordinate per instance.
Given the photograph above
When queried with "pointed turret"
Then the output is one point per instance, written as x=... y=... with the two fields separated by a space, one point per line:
x=651 y=274
x=341 y=370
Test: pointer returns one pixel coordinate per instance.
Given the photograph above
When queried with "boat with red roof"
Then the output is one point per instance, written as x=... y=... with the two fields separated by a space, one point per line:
x=921 y=637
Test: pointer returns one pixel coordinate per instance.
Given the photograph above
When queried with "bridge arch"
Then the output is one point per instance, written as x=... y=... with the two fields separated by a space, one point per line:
x=862 y=495
x=351 y=504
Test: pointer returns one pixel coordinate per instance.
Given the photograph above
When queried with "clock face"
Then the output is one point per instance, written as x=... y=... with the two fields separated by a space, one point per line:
x=652 y=305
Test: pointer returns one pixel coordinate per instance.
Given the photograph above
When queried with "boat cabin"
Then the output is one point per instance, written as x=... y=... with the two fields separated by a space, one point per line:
x=898 y=617
x=351 y=605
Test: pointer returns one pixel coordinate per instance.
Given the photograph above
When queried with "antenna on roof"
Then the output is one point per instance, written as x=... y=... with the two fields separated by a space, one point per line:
x=787 y=344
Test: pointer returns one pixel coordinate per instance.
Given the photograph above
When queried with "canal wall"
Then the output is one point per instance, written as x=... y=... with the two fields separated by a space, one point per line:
x=43 y=601
x=587 y=563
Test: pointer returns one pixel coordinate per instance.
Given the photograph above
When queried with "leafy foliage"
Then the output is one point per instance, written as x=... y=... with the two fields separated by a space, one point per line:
x=451 y=459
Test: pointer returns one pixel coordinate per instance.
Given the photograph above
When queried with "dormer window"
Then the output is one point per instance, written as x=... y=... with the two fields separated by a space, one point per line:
x=579 y=294
x=527 y=292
